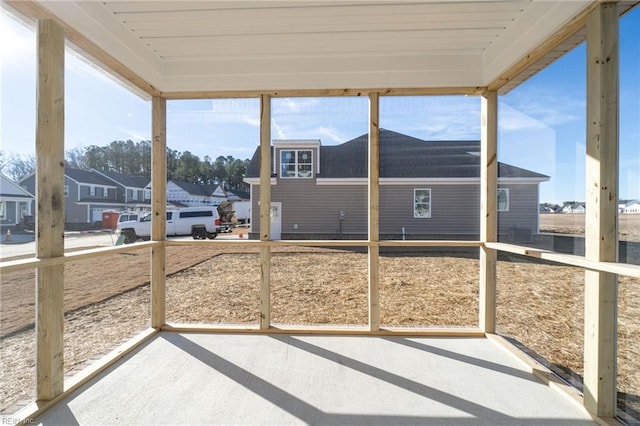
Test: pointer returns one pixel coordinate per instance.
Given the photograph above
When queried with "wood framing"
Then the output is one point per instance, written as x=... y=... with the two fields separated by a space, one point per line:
x=488 y=210
x=159 y=211
x=601 y=227
x=265 y=210
x=125 y=74
x=374 y=212
x=50 y=208
x=435 y=91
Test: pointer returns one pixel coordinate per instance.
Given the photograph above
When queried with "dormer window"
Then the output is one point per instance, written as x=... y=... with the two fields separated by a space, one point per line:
x=296 y=163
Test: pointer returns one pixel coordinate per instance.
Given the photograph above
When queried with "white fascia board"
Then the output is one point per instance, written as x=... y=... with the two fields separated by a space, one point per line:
x=296 y=143
x=540 y=20
x=256 y=181
x=424 y=181
x=523 y=180
x=99 y=26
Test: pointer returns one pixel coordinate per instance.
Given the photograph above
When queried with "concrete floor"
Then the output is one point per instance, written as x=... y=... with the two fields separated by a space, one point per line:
x=178 y=378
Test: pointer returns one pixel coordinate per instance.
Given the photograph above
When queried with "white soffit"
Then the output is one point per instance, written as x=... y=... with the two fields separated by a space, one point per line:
x=264 y=45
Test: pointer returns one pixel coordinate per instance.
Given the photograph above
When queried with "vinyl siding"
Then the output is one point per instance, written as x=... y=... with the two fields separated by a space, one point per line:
x=455 y=209
x=523 y=208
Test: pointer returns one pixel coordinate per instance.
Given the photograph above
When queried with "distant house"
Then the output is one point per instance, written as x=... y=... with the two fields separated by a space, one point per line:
x=86 y=194
x=632 y=206
x=193 y=194
x=578 y=208
x=15 y=202
x=428 y=189
x=136 y=194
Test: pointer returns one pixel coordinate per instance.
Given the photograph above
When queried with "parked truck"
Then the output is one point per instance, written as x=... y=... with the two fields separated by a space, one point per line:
x=199 y=222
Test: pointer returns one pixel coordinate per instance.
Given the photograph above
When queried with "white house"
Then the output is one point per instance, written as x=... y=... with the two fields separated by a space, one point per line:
x=632 y=206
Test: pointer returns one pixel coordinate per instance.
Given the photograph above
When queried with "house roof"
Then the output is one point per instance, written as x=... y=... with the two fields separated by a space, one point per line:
x=9 y=188
x=126 y=180
x=177 y=48
x=87 y=177
x=403 y=156
x=198 y=188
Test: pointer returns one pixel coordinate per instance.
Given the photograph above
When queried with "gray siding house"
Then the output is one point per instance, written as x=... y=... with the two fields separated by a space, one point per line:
x=135 y=194
x=428 y=189
x=86 y=195
x=15 y=202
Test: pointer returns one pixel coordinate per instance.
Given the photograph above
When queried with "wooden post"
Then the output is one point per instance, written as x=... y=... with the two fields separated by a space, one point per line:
x=374 y=209
x=159 y=211
x=265 y=210
x=488 y=210
x=50 y=216
x=601 y=230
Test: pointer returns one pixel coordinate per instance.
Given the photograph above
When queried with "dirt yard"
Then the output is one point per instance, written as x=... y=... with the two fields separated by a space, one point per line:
x=540 y=305
x=573 y=224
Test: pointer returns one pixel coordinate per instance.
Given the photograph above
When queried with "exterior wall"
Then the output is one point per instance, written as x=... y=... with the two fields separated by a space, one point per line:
x=315 y=209
x=455 y=210
x=10 y=213
x=74 y=213
x=523 y=209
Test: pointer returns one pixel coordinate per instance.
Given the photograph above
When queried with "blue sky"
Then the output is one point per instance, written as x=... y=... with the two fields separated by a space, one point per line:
x=541 y=123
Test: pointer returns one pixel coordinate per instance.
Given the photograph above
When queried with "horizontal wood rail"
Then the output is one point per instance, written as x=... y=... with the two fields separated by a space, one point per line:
x=568 y=259
x=35 y=262
x=329 y=330
x=331 y=243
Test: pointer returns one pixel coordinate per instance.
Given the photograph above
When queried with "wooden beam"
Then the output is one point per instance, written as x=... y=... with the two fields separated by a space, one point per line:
x=539 y=52
x=601 y=226
x=265 y=210
x=488 y=210
x=626 y=269
x=374 y=211
x=159 y=213
x=33 y=10
x=408 y=91
x=50 y=217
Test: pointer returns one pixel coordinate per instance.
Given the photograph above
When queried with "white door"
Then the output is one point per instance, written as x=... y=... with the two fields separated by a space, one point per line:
x=276 y=221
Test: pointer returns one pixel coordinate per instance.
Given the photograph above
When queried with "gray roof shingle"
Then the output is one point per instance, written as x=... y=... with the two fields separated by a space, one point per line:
x=403 y=156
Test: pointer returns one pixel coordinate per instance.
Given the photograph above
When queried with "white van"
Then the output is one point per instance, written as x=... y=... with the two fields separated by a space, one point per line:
x=199 y=222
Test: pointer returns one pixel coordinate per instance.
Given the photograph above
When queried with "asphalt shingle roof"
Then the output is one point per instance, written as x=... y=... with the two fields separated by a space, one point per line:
x=403 y=156
x=127 y=180
x=87 y=176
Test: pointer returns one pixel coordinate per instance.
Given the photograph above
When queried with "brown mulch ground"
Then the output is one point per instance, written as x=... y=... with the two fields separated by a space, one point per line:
x=107 y=301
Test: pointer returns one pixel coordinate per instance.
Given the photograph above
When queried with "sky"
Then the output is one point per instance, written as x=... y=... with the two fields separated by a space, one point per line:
x=541 y=123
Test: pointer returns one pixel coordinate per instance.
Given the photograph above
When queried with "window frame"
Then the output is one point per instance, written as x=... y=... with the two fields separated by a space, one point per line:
x=416 y=203
x=66 y=191
x=92 y=191
x=105 y=192
x=296 y=164
x=505 y=191
x=3 y=209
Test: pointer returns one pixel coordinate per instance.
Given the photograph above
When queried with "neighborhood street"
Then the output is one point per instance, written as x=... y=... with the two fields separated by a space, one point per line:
x=75 y=240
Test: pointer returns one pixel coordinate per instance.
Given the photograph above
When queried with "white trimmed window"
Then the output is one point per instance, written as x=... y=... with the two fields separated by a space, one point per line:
x=3 y=210
x=92 y=191
x=296 y=163
x=503 y=199
x=421 y=203
x=105 y=192
x=66 y=190
x=134 y=194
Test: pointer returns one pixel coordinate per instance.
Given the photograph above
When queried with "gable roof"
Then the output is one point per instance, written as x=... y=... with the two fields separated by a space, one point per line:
x=126 y=180
x=403 y=156
x=9 y=188
x=205 y=190
x=87 y=177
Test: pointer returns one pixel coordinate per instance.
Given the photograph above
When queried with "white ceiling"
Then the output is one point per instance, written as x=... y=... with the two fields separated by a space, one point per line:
x=195 y=46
